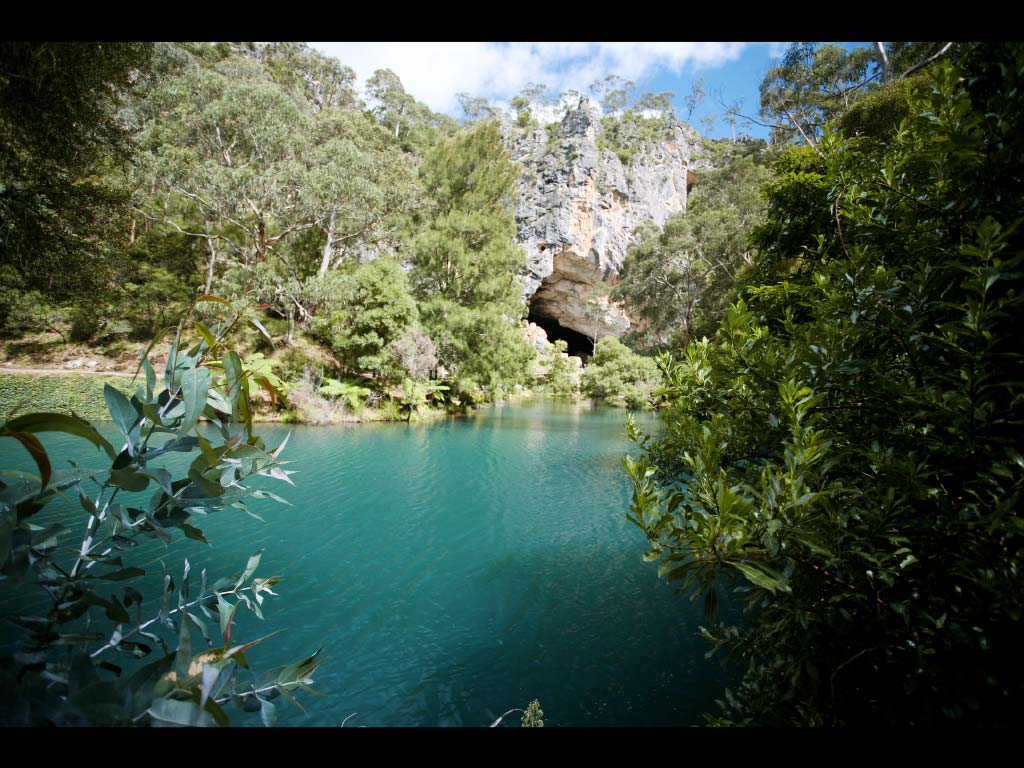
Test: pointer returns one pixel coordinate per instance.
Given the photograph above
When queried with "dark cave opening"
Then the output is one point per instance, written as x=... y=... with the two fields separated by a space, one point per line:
x=580 y=344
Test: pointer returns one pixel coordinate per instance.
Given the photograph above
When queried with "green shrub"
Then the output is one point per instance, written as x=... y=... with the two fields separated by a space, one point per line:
x=391 y=410
x=619 y=375
x=85 y=323
x=559 y=377
x=846 y=455
x=353 y=393
x=368 y=310
x=303 y=358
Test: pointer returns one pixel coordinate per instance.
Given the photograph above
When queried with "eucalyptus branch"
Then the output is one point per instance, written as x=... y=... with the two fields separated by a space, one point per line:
x=927 y=61
x=809 y=139
x=166 y=219
x=195 y=197
x=496 y=722
x=179 y=609
x=253 y=692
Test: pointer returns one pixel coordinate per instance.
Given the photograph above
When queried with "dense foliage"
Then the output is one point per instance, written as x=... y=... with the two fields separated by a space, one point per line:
x=376 y=230
x=466 y=263
x=253 y=171
x=677 y=279
x=846 y=453
x=619 y=375
x=365 y=310
x=63 y=190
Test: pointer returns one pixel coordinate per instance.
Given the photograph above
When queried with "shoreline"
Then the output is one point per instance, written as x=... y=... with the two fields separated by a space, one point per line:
x=55 y=390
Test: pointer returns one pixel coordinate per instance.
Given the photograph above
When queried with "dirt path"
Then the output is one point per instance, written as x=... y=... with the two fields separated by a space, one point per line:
x=62 y=372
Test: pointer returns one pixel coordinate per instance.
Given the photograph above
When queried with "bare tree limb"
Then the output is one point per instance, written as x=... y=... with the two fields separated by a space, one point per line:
x=927 y=61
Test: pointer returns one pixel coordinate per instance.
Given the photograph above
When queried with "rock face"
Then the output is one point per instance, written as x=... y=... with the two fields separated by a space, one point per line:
x=577 y=211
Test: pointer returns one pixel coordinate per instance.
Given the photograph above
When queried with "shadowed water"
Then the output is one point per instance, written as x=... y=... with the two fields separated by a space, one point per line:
x=452 y=571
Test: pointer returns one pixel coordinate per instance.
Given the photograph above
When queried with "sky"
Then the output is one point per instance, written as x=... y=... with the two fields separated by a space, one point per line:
x=435 y=72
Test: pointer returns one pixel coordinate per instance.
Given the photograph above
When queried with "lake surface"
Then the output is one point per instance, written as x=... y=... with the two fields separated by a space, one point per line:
x=451 y=571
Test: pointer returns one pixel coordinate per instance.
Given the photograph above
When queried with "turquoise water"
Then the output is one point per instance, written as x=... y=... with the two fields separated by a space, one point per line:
x=454 y=570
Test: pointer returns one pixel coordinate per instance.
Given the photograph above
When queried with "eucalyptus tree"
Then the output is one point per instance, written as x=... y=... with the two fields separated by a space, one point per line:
x=223 y=153
x=678 y=279
x=811 y=86
x=897 y=60
x=357 y=182
x=695 y=97
x=475 y=107
x=613 y=92
x=531 y=93
x=815 y=83
x=322 y=81
x=411 y=122
x=393 y=105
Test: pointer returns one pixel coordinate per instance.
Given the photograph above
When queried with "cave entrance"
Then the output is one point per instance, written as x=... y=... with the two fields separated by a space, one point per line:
x=580 y=344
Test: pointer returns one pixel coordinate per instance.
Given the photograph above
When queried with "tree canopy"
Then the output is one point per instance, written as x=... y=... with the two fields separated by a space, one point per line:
x=63 y=181
x=466 y=263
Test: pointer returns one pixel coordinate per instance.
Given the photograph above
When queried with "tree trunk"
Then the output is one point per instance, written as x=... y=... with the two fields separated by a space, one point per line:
x=152 y=191
x=213 y=256
x=398 y=121
x=325 y=263
x=884 y=64
x=261 y=239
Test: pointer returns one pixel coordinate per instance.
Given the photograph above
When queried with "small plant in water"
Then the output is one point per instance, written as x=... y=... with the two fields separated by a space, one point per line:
x=531 y=716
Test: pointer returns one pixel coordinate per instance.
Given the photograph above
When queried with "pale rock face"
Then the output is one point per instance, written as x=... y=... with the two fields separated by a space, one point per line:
x=537 y=337
x=577 y=211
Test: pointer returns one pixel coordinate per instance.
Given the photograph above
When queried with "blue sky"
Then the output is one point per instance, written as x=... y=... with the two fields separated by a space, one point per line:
x=435 y=72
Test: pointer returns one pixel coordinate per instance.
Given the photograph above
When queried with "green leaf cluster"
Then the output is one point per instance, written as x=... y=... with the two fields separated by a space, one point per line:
x=617 y=374
x=845 y=454
x=466 y=263
x=353 y=393
x=364 y=309
x=77 y=662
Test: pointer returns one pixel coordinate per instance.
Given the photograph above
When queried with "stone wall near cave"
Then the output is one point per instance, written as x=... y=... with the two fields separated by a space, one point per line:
x=578 y=208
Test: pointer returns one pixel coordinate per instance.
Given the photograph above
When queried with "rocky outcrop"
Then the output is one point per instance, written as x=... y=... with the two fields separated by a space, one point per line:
x=578 y=209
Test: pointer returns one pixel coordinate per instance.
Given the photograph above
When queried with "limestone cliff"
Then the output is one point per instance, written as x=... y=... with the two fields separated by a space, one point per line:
x=578 y=208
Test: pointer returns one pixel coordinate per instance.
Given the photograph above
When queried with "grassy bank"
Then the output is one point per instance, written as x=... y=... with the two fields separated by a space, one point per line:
x=62 y=394
x=24 y=393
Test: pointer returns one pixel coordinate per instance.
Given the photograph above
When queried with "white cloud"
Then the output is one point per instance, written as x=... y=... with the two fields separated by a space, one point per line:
x=435 y=72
